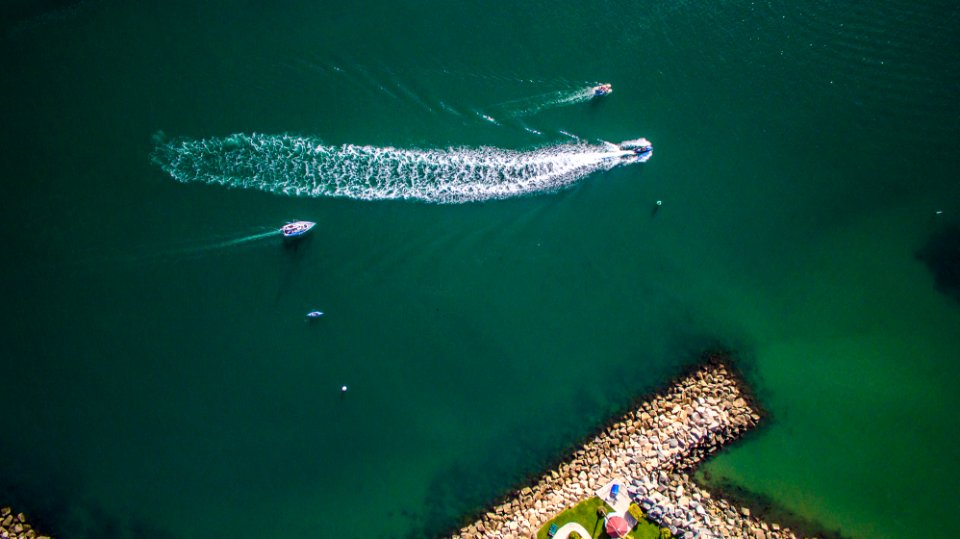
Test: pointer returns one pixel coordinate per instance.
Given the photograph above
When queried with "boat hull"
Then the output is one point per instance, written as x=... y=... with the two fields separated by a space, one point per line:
x=296 y=228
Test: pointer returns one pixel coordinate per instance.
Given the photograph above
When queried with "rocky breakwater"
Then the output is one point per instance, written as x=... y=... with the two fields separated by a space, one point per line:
x=15 y=526
x=674 y=501
x=650 y=448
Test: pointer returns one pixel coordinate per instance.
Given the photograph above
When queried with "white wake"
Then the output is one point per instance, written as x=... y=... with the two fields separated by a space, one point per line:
x=303 y=166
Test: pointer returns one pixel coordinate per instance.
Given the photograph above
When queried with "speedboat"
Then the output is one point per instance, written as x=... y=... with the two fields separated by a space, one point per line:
x=640 y=149
x=296 y=228
x=314 y=314
x=602 y=89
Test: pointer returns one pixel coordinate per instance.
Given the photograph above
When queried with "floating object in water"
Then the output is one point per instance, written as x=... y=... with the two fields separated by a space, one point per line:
x=659 y=203
x=602 y=89
x=343 y=389
x=296 y=228
x=314 y=314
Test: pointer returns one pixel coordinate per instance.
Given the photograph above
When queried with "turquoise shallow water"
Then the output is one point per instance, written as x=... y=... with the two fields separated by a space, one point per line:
x=162 y=381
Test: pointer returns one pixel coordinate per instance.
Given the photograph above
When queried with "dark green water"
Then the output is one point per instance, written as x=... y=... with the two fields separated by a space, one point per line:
x=160 y=384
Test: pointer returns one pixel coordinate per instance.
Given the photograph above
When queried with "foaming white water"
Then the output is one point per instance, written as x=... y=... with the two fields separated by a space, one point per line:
x=302 y=166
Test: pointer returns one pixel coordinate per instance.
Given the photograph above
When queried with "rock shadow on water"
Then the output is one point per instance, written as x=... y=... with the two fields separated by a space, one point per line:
x=57 y=508
x=464 y=491
x=764 y=507
x=941 y=254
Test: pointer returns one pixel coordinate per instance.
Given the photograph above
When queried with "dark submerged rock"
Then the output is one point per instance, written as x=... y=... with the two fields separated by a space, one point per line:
x=941 y=254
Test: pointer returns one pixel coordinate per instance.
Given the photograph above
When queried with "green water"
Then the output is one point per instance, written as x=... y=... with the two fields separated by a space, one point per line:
x=160 y=380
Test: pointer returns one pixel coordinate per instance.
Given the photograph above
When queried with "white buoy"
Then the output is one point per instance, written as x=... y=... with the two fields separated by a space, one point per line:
x=659 y=203
x=343 y=389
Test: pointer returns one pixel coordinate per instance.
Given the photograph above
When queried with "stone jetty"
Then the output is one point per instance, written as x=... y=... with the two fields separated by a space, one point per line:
x=654 y=448
x=14 y=526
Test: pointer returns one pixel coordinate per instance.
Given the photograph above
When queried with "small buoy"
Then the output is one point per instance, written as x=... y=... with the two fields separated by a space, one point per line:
x=343 y=389
x=656 y=208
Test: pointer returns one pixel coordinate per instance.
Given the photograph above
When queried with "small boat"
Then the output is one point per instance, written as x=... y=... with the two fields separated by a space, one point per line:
x=314 y=314
x=296 y=228
x=602 y=89
x=637 y=148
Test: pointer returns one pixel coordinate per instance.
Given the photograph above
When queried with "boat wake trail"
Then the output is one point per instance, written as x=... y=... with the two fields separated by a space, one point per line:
x=195 y=248
x=303 y=166
x=225 y=243
x=529 y=106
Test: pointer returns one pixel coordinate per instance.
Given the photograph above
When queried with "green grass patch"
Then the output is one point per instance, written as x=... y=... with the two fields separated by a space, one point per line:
x=585 y=513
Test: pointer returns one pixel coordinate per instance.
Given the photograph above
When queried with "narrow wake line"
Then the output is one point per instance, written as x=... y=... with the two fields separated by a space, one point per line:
x=195 y=248
x=302 y=166
x=227 y=243
x=530 y=106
